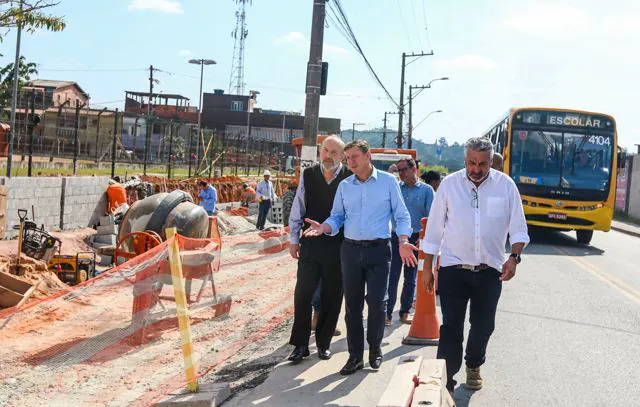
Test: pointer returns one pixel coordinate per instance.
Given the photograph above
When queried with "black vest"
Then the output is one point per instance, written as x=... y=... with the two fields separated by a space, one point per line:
x=318 y=195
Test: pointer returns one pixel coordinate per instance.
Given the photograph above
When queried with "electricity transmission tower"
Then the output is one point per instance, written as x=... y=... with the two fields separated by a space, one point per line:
x=236 y=83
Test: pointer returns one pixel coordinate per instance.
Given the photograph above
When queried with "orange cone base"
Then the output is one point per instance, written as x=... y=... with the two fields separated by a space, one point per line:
x=412 y=340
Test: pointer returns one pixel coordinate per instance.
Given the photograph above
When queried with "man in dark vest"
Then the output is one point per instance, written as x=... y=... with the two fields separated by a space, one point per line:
x=318 y=258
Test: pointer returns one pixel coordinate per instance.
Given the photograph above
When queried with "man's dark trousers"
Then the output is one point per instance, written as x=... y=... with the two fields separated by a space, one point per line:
x=410 y=275
x=319 y=258
x=263 y=210
x=365 y=266
x=457 y=287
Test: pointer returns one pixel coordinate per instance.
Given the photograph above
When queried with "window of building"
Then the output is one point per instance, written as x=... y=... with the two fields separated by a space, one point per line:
x=237 y=106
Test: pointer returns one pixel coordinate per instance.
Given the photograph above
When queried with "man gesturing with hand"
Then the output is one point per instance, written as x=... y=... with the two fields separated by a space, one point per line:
x=365 y=203
x=474 y=210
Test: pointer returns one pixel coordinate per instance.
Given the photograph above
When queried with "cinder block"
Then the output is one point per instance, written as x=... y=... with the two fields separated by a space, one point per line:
x=106 y=260
x=105 y=239
x=107 y=220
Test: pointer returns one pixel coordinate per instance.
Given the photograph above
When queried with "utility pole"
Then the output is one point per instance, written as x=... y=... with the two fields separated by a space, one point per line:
x=147 y=140
x=76 y=137
x=411 y=97
x=32 y=124
x=384 y=132
x=314 y=82
x=14 y=96
x=399 y=138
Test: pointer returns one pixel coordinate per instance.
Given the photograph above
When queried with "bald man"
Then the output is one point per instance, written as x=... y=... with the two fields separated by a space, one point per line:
x=498 y=162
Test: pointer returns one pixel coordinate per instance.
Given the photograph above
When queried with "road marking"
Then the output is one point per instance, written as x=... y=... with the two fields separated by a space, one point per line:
x=614 y=282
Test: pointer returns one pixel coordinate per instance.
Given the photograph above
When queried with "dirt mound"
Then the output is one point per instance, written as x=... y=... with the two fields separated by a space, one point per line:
x=34 y=271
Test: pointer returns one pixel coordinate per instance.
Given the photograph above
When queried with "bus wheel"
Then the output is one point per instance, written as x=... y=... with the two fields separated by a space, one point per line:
x=584 y=236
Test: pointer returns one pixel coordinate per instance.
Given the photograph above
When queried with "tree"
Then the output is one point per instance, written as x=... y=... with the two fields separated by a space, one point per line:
x=25 y=71
x=31 y=16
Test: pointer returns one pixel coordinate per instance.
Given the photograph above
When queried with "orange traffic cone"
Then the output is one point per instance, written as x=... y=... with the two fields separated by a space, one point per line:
x=425 y=328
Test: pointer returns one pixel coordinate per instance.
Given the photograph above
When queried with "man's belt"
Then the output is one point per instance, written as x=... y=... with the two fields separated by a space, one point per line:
x=366 y=243
x=473 y=268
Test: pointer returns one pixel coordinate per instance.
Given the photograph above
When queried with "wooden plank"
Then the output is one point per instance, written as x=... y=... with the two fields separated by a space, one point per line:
x=14 y=284
x=432 y=385
x=29 y=292
x=400 y=389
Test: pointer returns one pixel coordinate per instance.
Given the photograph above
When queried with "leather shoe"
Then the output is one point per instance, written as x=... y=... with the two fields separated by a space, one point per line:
x=324 y=354
x=299 y=352
x=353 y=365
x=375 y=359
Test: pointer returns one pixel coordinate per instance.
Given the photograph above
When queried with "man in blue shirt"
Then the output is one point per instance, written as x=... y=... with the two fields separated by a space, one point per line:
x=208 y=197
x=365 y=203
x=266 y=196
x=418 y=197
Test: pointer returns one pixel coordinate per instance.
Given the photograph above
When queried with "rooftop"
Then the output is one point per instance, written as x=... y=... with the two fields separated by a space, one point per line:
x=52 y=83
x=157 y=95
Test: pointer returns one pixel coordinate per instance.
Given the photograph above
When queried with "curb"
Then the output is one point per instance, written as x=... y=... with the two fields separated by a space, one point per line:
x=625 y=231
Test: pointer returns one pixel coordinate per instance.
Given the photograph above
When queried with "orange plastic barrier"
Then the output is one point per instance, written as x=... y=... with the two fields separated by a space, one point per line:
x=425 y=328
x=117 y=195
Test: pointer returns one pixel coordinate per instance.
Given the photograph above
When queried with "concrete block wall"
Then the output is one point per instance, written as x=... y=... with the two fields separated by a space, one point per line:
x=634 y=193
x=59 y=202
x=43 y=193
x=84 y=201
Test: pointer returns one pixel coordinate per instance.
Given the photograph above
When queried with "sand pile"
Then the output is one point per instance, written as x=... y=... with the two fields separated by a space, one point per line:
x=35 y=271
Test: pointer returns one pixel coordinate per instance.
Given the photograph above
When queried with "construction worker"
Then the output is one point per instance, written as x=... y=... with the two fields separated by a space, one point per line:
x=318 y=258
x=365 y=203
x=418 y=197
x=208 y=197
x=248 y=195
x=266 y=196
x=474 y=210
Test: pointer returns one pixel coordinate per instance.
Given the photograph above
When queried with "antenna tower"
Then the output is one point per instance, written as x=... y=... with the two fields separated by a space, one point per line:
x=236 y=83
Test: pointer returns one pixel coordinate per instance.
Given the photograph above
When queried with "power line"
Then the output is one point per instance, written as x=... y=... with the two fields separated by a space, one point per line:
x=341 y=15
x=90 y=70
x=404 y=24
x=426 y=24
x=415 y=22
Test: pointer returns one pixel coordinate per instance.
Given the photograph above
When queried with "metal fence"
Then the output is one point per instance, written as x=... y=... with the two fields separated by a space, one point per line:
x=80 y=138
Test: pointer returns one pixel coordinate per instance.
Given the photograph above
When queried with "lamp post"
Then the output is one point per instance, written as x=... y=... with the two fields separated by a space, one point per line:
x=202 y=63
x=411 y=97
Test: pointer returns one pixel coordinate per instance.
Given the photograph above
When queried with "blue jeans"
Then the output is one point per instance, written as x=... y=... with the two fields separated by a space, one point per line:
x=265 y=206
x=410 y=276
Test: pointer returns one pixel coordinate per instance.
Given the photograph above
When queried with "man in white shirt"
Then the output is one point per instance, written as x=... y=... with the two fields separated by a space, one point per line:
x=266 y=195
x=474 y=210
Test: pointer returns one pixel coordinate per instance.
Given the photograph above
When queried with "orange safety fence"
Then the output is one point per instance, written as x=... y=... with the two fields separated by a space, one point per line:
x=114 y=340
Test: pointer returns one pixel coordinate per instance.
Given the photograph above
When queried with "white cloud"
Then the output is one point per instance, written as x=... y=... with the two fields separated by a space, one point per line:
x=468 y=61
x=298 y=39
x=185 y=53
x=163 y=6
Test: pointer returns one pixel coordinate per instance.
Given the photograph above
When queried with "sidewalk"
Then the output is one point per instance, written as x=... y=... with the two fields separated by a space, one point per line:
x=316 y=382
x=626 y=227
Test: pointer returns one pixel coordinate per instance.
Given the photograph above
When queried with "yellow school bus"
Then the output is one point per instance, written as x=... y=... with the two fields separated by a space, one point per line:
x=564 y=162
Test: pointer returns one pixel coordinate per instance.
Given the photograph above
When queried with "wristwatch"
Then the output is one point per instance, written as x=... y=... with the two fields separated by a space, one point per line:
x=516 y=256
x=403 y=241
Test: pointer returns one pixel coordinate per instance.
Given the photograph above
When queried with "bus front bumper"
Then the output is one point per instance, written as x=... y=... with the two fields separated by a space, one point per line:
x=596 y=219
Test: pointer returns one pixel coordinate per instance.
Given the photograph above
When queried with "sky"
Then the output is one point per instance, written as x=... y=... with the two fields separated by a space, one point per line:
x=497 y=53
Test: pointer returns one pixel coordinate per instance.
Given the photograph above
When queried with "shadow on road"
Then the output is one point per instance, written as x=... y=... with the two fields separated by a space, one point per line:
x=549 y=243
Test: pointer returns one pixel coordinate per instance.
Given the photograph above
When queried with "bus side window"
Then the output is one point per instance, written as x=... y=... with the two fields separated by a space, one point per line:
x=501 y=139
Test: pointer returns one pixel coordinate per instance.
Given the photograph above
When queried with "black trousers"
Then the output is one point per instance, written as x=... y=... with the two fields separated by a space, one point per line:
x=457 y=287
x=319 y=258
x=263 y=211
x=365 y=266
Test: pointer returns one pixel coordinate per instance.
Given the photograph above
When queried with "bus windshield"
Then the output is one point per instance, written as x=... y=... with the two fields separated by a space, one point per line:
x=559 y=159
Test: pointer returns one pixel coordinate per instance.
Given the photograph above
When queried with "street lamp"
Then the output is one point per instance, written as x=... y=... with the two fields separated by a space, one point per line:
x=202 y=63
x=353 y=131
x=252 y=96
x=411 y=97
x=426 y=117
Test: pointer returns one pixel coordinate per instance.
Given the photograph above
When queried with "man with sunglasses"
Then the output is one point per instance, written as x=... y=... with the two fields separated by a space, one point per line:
x=418 y=197
x=474 y=210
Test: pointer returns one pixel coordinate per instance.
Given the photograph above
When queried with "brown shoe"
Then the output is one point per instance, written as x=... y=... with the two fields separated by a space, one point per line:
x=314 y=321
x=474 y=380
x=387 y=321
x=404 y=318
